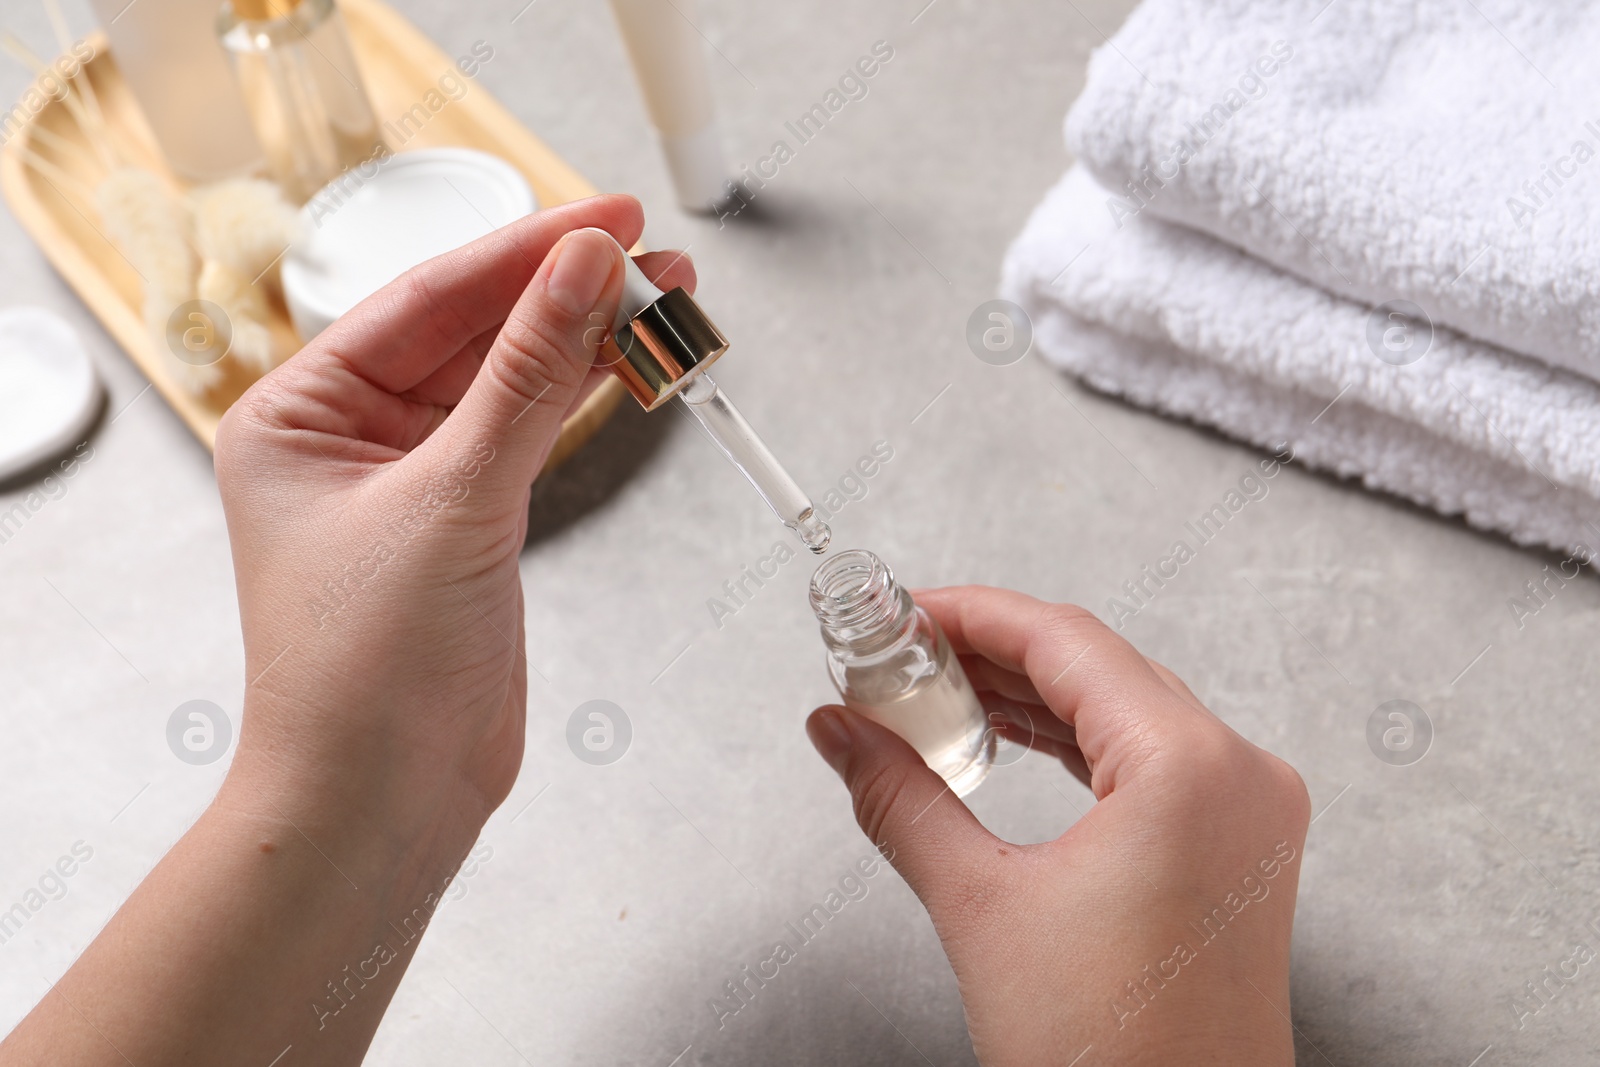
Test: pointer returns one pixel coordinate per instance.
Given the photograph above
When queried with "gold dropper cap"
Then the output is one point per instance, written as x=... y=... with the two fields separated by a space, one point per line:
x=663 y=346
x=659 y=341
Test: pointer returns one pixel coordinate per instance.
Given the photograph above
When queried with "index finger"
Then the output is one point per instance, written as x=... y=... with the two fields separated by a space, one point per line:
x=1091 y=678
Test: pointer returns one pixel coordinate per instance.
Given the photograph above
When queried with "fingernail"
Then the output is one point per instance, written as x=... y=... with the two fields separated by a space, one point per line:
x=584 y=260
x=830 y=737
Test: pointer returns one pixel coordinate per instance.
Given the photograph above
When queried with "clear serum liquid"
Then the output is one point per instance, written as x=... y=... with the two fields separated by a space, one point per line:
x=891 y=663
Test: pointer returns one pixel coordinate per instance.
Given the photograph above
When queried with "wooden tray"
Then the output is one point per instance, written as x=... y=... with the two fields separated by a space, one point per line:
x=398 y=64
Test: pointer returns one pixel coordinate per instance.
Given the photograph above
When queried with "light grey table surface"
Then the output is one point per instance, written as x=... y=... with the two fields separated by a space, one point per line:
x=618 y=900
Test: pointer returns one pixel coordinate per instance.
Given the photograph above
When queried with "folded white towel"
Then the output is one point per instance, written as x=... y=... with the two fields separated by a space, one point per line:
x=1437 y=151
x=1175 y=320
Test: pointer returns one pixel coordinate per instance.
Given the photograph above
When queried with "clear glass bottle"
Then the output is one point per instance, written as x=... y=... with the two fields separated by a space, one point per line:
x=892 y=663
x=302 y=88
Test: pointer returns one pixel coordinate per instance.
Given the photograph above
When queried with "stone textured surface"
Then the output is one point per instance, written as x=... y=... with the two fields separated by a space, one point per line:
x=618 y=900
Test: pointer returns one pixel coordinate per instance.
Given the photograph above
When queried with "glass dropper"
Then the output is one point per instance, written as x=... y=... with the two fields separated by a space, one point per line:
x=727 y=428
x=664 y=344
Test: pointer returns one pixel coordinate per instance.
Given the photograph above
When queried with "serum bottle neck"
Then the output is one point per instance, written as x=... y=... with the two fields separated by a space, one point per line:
x=862 y=609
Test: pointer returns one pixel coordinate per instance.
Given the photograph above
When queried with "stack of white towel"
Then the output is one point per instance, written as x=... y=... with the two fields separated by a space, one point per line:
x=1369 y=228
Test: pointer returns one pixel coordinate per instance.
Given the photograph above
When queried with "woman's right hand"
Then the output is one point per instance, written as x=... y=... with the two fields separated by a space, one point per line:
x=1156 y=929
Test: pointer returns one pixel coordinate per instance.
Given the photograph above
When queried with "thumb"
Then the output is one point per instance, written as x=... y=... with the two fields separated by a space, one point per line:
x=512 y=412
x=907 y=810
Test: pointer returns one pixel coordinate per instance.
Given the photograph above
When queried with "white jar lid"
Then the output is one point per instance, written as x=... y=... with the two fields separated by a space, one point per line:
x=49 y=390
x=378 y=220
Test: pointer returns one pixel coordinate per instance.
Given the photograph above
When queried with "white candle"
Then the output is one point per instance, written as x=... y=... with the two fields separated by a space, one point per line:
x=169 y=55
x=669 y=59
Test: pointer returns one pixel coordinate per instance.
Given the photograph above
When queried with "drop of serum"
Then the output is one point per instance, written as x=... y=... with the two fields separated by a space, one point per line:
x=812 y=531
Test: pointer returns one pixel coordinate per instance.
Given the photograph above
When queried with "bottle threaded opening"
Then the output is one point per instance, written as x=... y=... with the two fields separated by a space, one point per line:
x=854 y=596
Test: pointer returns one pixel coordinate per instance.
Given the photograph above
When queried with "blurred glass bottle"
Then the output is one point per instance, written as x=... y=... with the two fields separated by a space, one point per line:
x=892 y=663
x=302 y=88
x=168 y=54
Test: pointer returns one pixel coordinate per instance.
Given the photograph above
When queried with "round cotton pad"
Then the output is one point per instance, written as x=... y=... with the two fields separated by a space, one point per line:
x=49 y=391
